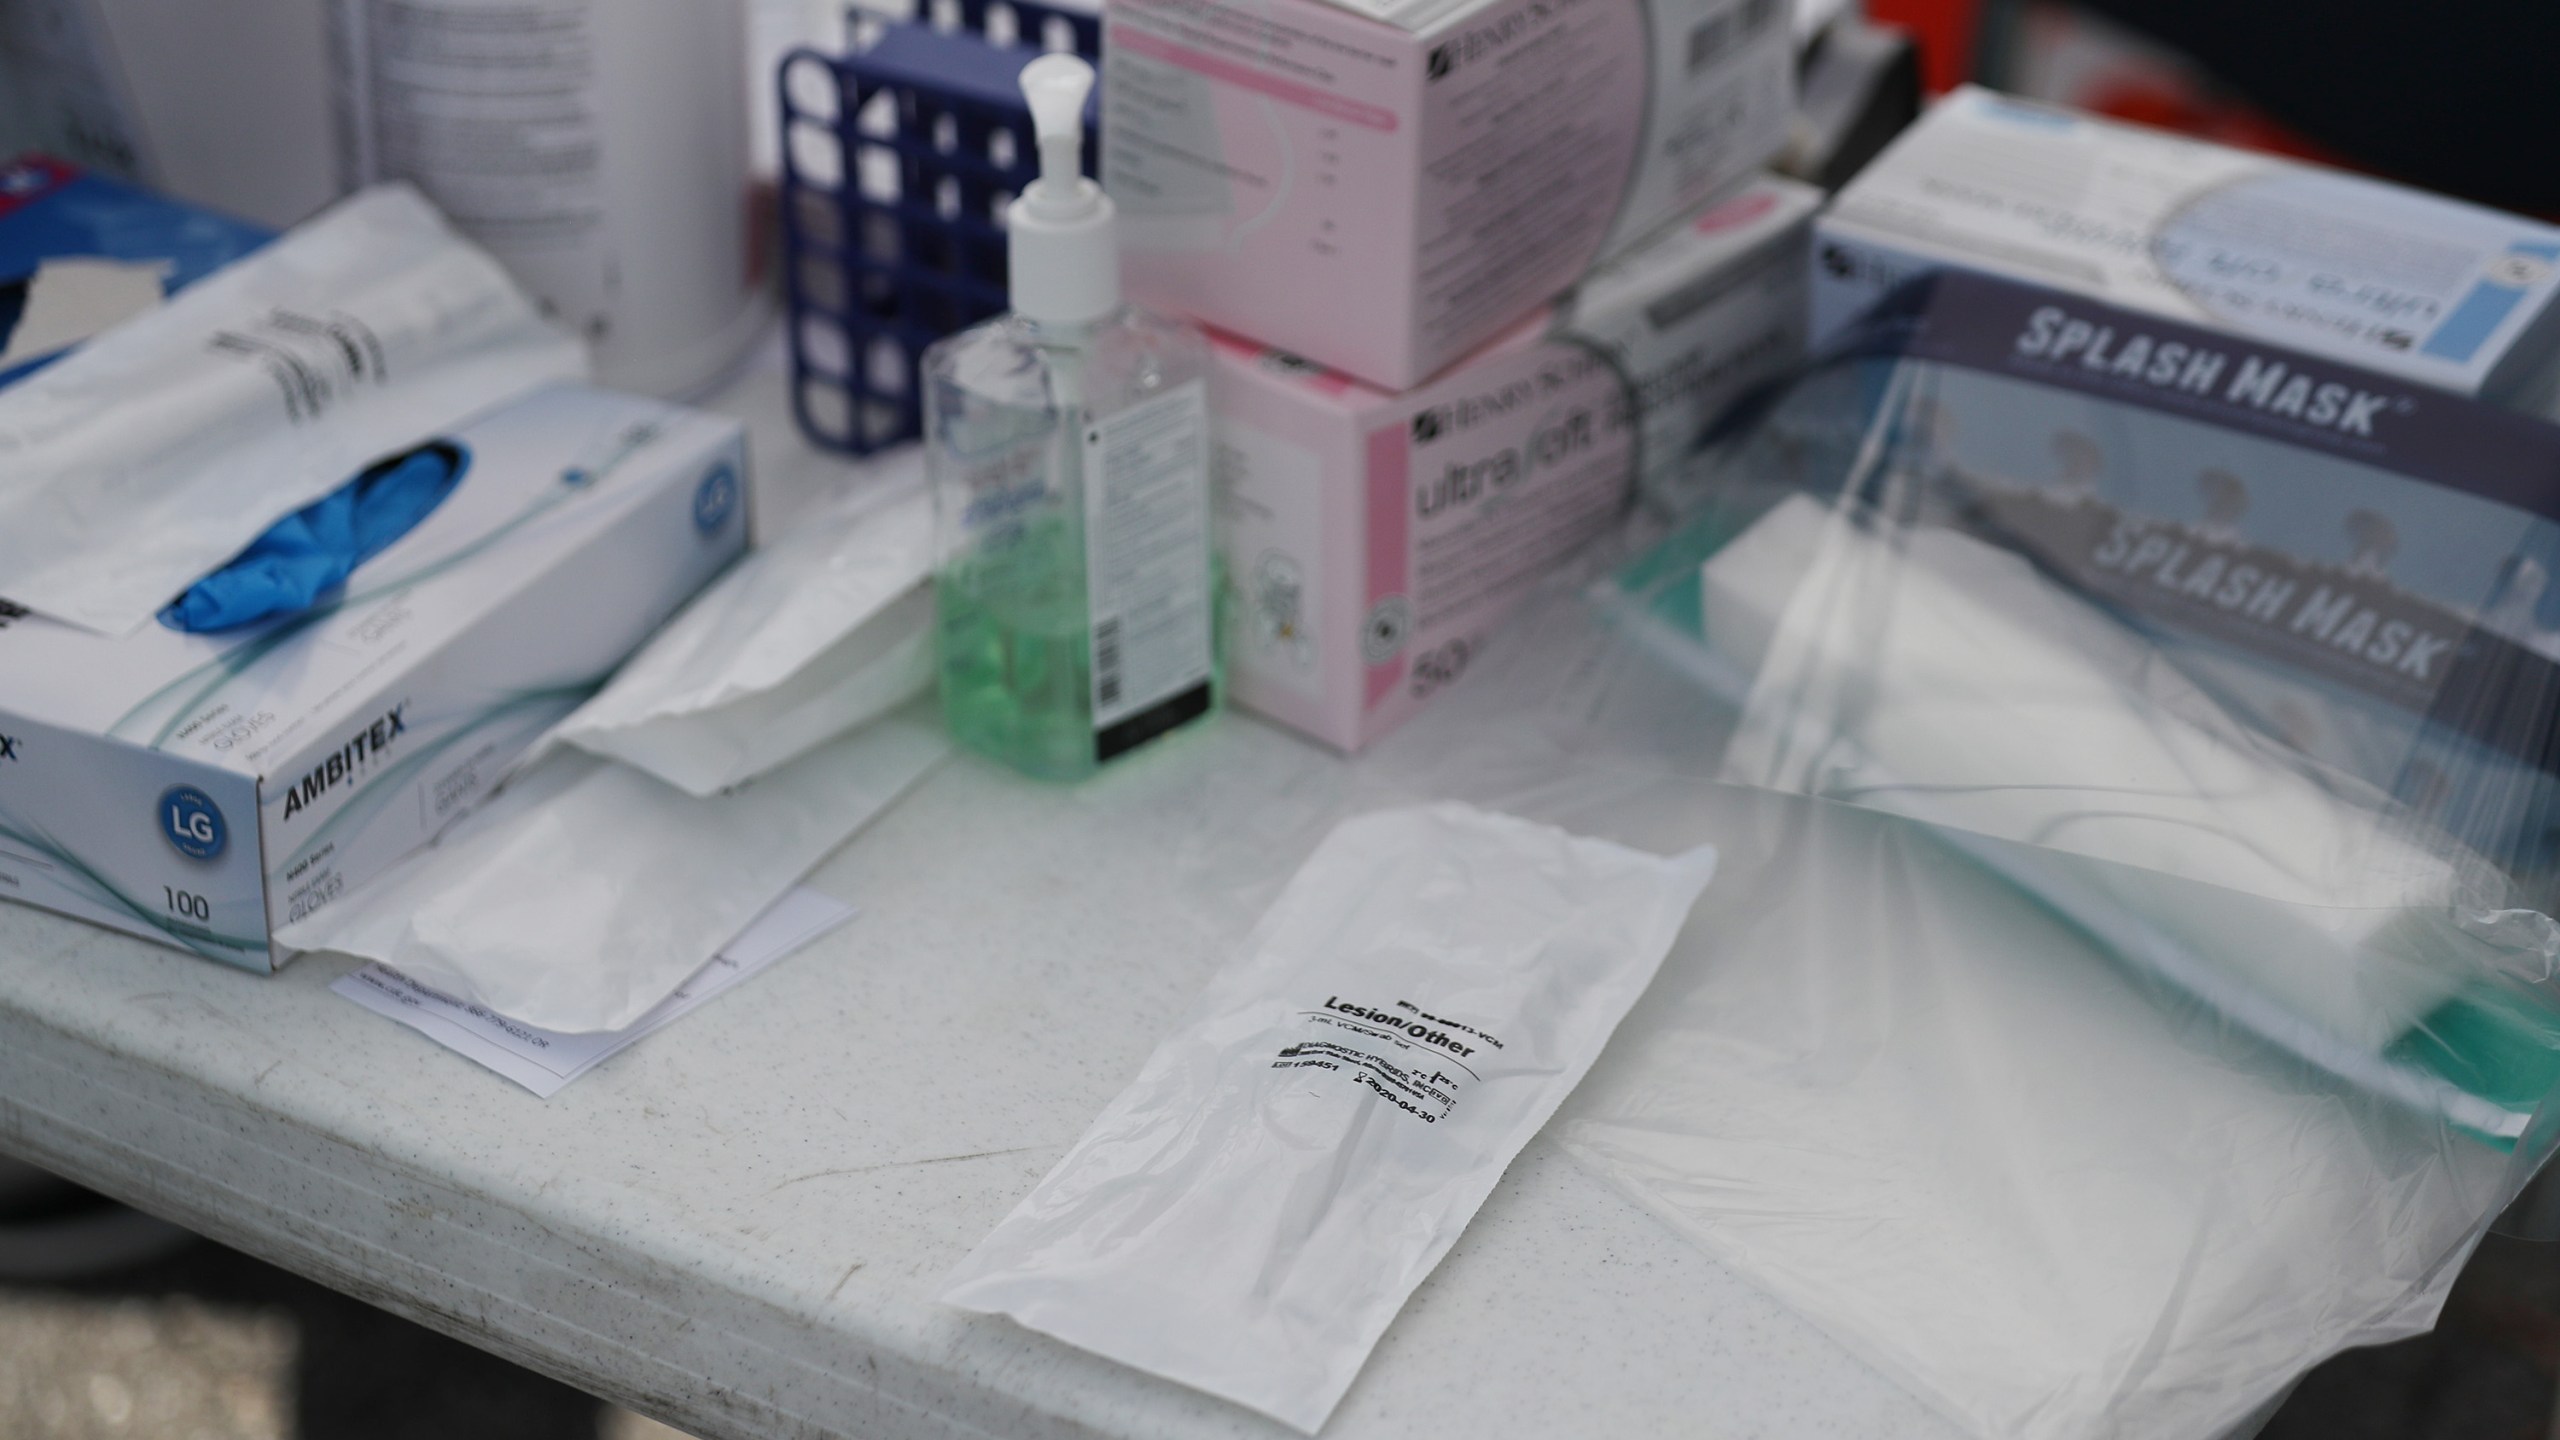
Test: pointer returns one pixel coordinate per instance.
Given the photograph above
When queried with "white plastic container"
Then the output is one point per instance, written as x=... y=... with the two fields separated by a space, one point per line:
x=599 y=150
x=224 y=106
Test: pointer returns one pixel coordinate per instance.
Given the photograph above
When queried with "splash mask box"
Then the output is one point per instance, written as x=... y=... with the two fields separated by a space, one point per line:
x=2412 y=285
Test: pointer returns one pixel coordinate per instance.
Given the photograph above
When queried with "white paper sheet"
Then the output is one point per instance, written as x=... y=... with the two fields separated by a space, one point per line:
x=585 y=892
x=543 y=1061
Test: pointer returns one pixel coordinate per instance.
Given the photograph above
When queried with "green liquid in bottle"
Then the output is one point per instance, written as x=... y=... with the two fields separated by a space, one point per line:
x=1015 y=413
x=1016 y=654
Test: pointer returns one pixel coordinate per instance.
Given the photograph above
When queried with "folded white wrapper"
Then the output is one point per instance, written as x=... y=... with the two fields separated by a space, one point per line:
x=1931 y=675
x=1252 y=1211
x=826 y=629
x=156 y=452
x=585 y=892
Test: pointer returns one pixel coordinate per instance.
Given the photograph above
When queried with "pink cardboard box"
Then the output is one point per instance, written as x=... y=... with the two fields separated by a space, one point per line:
x=1383 y=192
x=1374 y=540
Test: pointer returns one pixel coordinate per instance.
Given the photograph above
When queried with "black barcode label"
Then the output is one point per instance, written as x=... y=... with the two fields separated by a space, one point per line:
x=1106 y=662
x=1146 y=526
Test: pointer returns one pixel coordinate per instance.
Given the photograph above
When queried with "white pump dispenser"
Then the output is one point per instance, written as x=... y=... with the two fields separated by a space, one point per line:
x=1068 y=441
x=1064 y=258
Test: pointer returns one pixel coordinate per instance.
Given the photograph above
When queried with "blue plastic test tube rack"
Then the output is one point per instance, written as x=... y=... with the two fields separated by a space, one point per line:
x=897 y=161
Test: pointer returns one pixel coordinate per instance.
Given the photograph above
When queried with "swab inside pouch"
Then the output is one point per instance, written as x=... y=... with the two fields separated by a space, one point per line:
x=1252 y=1211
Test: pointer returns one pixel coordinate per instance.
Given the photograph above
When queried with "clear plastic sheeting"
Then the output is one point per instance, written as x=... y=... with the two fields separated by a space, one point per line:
x=2039 y=1185
x=1944 y=1126
x=2130 y=980
x=1939 y=677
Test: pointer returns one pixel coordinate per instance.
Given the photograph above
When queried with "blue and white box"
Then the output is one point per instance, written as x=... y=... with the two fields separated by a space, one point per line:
x=81 y=252
x=204 y=789
x=2413 y=285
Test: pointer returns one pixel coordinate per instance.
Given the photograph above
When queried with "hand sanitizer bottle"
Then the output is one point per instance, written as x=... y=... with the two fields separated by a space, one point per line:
x=1068 y=443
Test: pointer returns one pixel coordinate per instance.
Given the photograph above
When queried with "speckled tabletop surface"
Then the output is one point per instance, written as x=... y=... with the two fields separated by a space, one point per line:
x=740 y=1225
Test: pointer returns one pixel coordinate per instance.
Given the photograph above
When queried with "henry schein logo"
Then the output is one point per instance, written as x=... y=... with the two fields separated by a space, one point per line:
x=1481 y=42
x=1428 y=425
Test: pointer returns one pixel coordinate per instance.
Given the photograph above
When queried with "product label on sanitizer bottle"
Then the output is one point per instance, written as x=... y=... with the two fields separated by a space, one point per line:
x=1146 y=528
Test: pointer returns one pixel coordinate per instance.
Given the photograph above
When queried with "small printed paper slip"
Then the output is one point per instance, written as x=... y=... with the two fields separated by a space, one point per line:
x=544 y=1060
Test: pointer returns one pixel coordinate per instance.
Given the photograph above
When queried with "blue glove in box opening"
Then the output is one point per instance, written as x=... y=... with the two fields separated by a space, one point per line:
x=310 y=553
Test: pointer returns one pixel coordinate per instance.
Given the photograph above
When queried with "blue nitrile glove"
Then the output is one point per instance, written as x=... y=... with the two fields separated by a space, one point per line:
x=313 y=550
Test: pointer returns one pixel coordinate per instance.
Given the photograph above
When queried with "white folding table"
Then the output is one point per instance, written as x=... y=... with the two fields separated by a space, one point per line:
x=740 y=1225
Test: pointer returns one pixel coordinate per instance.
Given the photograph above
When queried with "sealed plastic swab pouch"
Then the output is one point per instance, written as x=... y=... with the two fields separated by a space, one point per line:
x=824 y=630
x=1252 y=1211
x=158 y=451
x=2236 y=658
x=585 y=892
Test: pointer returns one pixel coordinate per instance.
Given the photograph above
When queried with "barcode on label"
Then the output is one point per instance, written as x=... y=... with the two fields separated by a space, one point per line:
x=1710 y=43
x=1106 y=662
